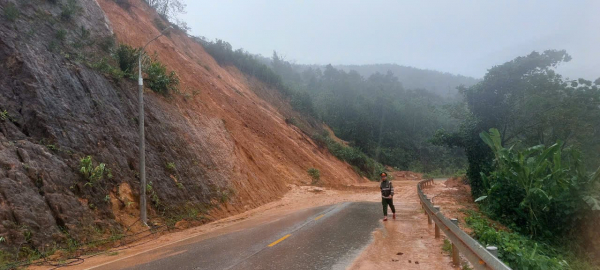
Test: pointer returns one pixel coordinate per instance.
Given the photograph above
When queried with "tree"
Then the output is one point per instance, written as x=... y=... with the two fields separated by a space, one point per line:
x=168 y=8
x=528 y=102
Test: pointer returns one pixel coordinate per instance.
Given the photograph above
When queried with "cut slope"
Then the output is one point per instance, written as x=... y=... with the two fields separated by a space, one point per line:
x=227 y=144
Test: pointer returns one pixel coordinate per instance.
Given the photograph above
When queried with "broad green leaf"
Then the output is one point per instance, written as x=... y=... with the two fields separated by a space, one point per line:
x=481 y=198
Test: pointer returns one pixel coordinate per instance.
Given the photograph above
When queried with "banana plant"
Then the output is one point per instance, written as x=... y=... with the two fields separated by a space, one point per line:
x=537 y=178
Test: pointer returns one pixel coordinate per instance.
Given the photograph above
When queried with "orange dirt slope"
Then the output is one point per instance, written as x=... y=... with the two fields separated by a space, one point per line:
x=266 y=153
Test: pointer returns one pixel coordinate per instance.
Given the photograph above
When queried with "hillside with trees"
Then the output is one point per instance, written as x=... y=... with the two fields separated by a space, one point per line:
x=532 y=140
x=442 y=83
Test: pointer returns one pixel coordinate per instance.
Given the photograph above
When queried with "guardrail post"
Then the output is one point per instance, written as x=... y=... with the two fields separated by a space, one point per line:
x=455 y=255
x=455 y=221
x=493 y=250
x=437 y=228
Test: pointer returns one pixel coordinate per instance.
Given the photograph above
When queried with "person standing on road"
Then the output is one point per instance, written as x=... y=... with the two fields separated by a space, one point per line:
x=387 y=196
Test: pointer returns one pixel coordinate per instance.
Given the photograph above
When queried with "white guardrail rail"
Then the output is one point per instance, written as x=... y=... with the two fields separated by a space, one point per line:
x=479 y=256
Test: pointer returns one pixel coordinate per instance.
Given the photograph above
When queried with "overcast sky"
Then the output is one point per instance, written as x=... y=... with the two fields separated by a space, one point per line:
x=461 y=37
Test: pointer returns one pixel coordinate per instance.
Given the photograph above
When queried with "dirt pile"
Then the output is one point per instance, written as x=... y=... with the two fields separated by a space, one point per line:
x=405 y=175
x=215 y=150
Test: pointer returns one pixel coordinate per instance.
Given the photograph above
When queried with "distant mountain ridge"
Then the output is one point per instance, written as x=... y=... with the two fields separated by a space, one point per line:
x=441 y=83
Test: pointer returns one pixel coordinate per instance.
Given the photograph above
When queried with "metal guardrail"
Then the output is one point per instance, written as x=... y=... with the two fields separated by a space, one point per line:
x=479 y=256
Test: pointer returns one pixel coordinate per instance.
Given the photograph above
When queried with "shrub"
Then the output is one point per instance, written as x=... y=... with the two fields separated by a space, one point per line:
x=158 y=79
x=93 y=174
x=69 y=10
x=61 y=34
x=363 y=164
x=127 y=57
x=315 y=174
x=160 y=25
x=517 y=251
x=11 y=12
x=537 y=190
x=104 y=66
x=107 y=43
x=153 y=196
x=4 y=115
x=170 y=166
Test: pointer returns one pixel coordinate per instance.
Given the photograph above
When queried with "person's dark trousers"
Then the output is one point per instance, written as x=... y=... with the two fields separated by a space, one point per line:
x=385 y=203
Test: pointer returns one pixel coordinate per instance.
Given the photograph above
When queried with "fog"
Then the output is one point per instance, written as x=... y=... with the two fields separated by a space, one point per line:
x=461 y=37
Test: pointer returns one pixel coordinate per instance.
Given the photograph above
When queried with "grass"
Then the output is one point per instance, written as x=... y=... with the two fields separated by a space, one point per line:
x=520 y=251
x=447 y=246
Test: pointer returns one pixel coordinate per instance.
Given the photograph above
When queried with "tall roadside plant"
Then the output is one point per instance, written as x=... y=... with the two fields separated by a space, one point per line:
x=542 y=191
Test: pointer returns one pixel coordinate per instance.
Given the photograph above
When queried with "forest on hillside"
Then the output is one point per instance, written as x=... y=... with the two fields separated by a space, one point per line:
x=442 y=83
x=377 y=114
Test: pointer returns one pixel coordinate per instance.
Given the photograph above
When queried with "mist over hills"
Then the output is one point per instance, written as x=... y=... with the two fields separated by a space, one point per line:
x=441 y=83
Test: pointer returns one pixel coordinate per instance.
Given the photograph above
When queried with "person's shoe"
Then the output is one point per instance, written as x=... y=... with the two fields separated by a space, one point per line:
x=394 y=215
x=385 y=218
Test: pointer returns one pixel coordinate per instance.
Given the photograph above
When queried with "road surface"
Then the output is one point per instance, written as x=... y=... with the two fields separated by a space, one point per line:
x=326 y=237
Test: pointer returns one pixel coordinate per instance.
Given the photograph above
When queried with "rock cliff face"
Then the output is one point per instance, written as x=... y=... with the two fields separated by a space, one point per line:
x=220 y=147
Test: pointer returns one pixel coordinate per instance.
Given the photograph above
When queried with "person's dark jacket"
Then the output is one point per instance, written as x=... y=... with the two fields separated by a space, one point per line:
x=386 y=188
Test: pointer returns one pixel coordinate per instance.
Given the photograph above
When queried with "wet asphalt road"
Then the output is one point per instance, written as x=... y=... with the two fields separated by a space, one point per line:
x=327 y=237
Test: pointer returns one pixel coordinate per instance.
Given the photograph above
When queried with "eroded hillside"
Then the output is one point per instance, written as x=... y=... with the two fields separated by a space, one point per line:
x=217 y=148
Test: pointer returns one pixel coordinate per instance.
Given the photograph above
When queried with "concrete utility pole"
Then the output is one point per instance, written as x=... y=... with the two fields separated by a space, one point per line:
x=142 y=136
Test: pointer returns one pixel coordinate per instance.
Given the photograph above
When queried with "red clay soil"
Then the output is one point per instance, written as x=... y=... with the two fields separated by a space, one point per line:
x=265 y=153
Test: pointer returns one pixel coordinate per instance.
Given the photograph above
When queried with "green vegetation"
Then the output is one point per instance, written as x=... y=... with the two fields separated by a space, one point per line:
x=11 y=12
x=540 y=191
x=104 y=65
x=224 y=54
x=534 y=170
x=377 y=114
x=361 y=163
x=447 y=247
x=170 y=166
x=315 y=174
x=153 y=196
x=4 y=115
x=158 y=79
x=69 y=10
x=127 y=58
x=61 y=34
x=123 y=62
x=93 y=174
x=520 y=252
x=529 y=103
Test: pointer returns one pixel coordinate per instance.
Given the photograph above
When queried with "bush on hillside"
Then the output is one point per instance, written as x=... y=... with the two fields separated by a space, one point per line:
x=541 y=191
x=69 y=9
x=127 y=57
x=363 y=164
x=159 y=80
x=315 y=174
